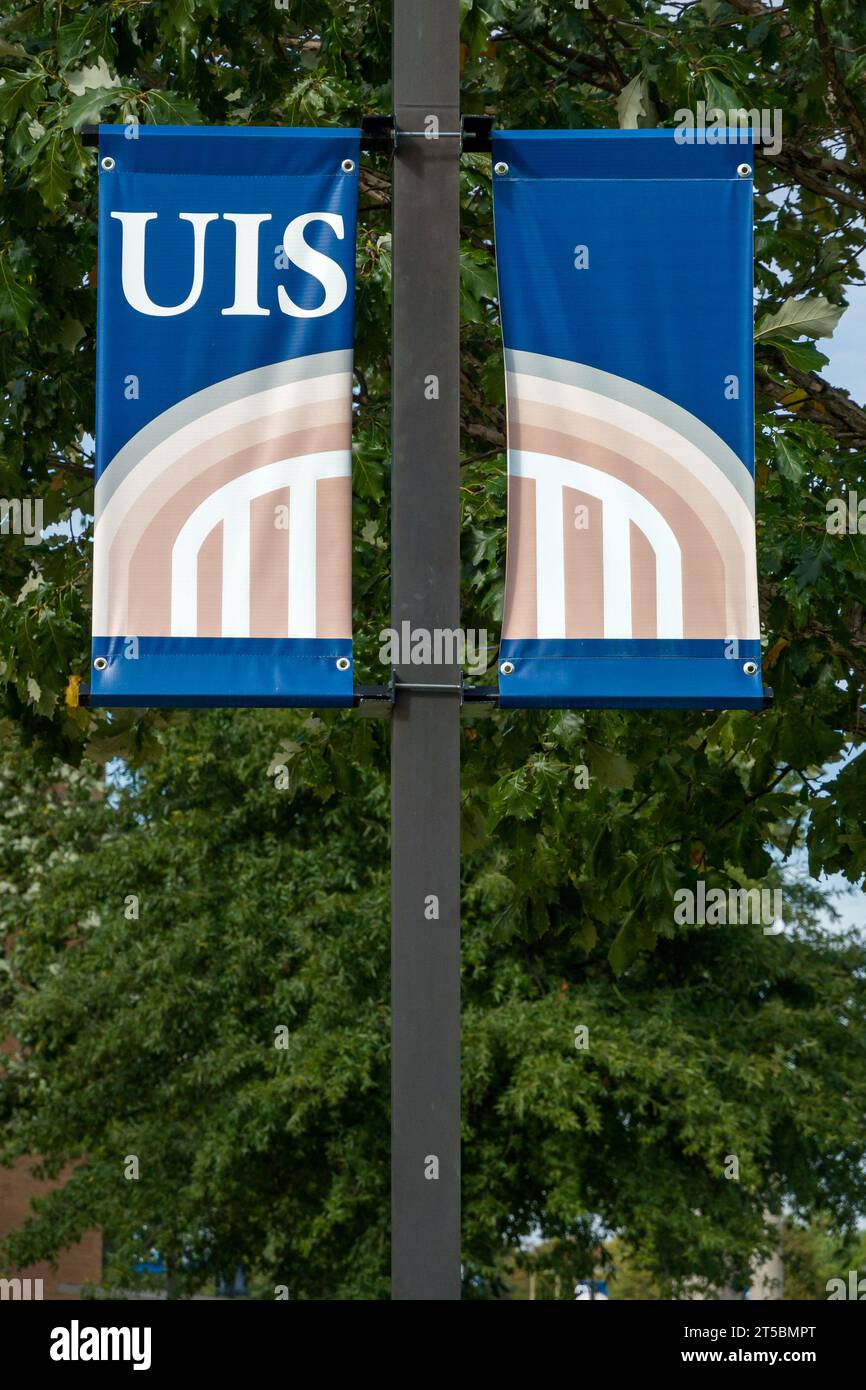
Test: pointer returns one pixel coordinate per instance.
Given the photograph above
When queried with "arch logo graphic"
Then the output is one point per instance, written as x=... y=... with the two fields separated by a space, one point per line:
x=222 y=551
x=625 y=264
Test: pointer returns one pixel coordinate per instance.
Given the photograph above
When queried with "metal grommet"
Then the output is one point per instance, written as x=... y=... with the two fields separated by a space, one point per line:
x=750 y=668
x=100 y=664
x=744 y=170
x=501 y=167
x=343 y=663
x=507 y=668
x=107 y=164
x=348 y=166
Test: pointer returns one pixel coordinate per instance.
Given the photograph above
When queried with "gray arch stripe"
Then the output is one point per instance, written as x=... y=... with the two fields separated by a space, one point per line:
x=667 y=412
x=234 y=388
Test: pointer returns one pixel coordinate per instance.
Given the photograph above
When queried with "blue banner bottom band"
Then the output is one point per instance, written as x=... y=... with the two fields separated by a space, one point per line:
x=639 y=673
x=225 y=672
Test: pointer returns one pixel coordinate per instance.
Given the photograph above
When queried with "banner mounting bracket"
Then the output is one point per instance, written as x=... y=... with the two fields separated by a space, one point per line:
x=379 y=134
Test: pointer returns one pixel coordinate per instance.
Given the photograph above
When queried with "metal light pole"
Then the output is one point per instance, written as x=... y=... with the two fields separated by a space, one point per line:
x=425 y=752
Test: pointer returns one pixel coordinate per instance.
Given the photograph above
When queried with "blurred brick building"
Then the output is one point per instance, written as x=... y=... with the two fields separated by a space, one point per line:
x=80 y=1264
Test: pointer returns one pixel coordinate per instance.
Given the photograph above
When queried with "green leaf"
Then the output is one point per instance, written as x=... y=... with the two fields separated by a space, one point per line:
x=493 y=380
x=634 y=107
x=477 y=283
x=513 y=797
x=473 y=826
x=368 y=474
x=88 y=107
x=52 y=175
x=91 y=76
x=611 y=769
x=18 y=92
x=70 y=333
x=585 y=934
x=17 y=302
x=759 y=32
x=89 y=34
x=810 y=317
x=720 y=96
x=475 y=25
x=166 y=108
x=811 y=565
x=790 y=464
x=804 y=356
x=625 y=948
x=178 y=20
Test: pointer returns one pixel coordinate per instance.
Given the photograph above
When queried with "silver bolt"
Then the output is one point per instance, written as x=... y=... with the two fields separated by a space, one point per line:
x=744 y=170
x=750 y=668
x=100 y=663
x=348 y=166
x=108 y=164
x=500 y=168
x=343 y=663
x=507 y=668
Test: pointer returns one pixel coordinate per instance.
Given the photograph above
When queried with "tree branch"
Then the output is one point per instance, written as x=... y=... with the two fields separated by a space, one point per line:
x=825 y=405
x=793 y=166
x=844 y=100
x=565 y=59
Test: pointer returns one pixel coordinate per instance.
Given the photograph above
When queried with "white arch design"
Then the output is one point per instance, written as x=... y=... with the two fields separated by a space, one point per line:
x=254 y=409
x=621 y=504
x=230 y=504
x=721 y=497
x=642 y=426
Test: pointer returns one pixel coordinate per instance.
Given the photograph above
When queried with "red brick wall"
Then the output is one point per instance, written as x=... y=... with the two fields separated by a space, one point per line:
x=79 y=1264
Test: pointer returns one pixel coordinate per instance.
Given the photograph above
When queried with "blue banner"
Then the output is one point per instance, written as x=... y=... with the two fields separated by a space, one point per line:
x=625 y=279
x=222 y=542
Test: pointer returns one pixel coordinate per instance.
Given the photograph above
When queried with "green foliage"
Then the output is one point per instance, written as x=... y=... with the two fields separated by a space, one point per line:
x=817 y=1252
x=154 y=1037
x=259 y=909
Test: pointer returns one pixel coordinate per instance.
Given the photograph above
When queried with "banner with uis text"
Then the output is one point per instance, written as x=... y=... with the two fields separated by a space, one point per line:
x=625 y=279
x=222 y=542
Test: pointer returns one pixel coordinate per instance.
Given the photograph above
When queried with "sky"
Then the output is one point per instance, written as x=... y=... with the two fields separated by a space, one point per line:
x=847 y=368
x=847 y=348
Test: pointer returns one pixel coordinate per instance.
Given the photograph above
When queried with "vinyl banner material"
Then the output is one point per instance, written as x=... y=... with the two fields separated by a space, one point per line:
x=222 y=549
x=625 y=276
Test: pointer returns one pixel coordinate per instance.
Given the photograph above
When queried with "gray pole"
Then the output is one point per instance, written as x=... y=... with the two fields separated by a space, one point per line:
x=425 y=749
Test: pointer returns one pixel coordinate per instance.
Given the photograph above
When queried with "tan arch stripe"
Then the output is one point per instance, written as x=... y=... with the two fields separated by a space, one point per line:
x=705 y=609
x=295 y=372
x=149 y=573
x=520 y=608
x=210 y=585
x=269 y=564
x=737 y=554
x=334 y=557
x=584 y=565
x=267 y=432
x=621 y=390
x=644 y=597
